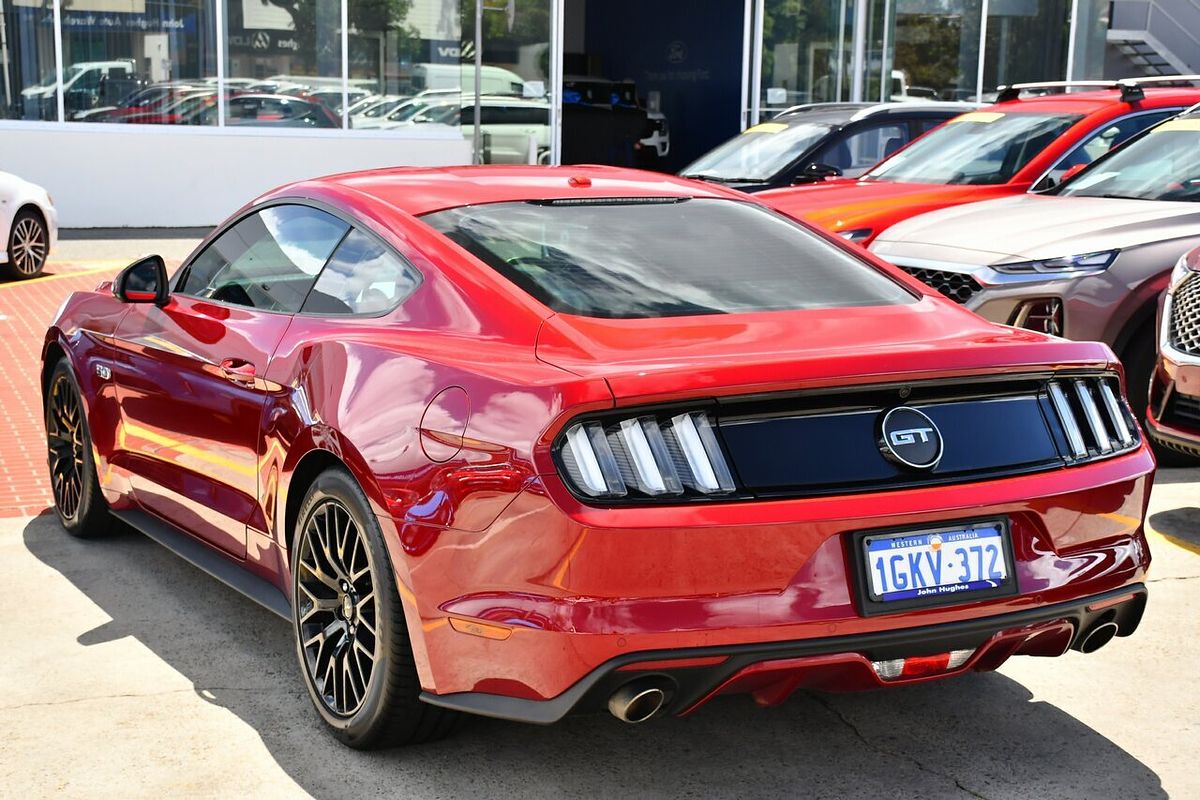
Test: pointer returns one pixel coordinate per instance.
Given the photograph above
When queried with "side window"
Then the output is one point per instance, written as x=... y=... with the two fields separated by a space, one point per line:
x=267 y=261
x=1102 y=141
x=864 y=148
x=363 y=277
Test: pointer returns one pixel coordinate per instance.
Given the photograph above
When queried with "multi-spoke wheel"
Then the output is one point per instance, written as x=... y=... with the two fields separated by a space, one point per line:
x=351 y=639
x=77 y=498
x=336 y=609
x=28 y=246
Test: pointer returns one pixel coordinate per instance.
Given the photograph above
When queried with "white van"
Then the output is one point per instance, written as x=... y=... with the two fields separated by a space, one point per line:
x=495 y=80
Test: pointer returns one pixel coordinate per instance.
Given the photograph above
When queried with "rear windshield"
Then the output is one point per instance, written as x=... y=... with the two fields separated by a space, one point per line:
x=980 y=147
x=663 y=257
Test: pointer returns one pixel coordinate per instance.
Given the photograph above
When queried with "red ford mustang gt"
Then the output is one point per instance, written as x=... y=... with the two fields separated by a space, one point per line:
x=523 y=442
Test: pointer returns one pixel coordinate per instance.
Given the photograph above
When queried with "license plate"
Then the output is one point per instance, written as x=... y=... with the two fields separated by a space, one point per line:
x=942 y=565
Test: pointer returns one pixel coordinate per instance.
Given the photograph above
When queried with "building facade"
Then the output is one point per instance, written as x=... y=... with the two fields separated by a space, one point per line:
x=169 y=112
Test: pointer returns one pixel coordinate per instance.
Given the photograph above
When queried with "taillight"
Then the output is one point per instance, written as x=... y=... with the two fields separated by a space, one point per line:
x=920 y=666
x=645 y=456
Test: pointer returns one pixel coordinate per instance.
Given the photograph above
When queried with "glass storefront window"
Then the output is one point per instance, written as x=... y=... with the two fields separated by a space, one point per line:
x=806 y=53
x=936 y=49
x=139 y=61
x=1026 y=41
x=278 y=50
x=405 y=56
x=27 y=73
x=514 y=109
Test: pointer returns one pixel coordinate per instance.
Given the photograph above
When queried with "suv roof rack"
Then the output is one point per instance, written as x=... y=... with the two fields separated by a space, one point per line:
x=1131 y=88
x=817 y=107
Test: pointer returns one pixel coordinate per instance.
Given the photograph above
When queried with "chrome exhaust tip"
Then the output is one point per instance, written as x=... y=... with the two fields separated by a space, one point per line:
x=636 y=702
x=1097 y=637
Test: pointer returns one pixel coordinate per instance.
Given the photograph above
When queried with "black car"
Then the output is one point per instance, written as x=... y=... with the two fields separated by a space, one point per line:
x=813 y=142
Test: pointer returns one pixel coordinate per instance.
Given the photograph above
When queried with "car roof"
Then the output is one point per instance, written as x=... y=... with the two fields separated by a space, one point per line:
x=1098 y=100
x=422 y=190
x=842 y=113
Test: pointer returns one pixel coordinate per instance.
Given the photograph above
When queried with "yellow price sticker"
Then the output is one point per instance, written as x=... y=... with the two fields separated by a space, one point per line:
x=767 y=127
x=983 y=117
x=1191 y=124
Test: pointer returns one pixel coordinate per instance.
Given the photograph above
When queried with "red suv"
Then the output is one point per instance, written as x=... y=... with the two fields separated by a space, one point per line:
x=1019 y=143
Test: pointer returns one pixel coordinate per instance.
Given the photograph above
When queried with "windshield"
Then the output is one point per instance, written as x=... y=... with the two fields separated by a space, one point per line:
x=1163 y=165
x=623 y=258
x=379 y=109
x=50 y=77
x=759 y=153
x=980 y=147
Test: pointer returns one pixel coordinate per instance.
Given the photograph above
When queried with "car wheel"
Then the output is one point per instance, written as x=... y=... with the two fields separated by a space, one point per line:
x=1139 y=358
x=28 y=246
x=351 y=638
x=78 y=500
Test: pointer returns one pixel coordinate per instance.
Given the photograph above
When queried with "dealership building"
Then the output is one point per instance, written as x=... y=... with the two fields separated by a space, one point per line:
x=704 y=70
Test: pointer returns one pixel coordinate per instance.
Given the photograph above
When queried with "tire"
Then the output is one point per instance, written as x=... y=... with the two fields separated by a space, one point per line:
x=351 y=640
x=28 y=246
x=78 y=500
x=1139 y=358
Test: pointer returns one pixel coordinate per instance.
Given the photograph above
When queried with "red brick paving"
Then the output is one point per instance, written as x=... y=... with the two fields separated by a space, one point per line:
x=26 y=309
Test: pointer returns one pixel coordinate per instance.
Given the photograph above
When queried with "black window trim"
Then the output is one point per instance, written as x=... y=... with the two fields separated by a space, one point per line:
x=354 y=224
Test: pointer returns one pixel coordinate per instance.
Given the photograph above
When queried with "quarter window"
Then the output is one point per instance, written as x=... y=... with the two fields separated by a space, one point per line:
x=363 y=277
x=268 y=261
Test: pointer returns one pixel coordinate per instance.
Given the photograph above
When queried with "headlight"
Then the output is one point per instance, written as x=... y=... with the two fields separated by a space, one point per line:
x=645 y=456
x=1181 y=271
x=1088 y=262
x=857 y=235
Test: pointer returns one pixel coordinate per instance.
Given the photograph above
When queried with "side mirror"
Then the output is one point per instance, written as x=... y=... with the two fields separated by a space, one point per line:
x=822 y=171
x=143 y=281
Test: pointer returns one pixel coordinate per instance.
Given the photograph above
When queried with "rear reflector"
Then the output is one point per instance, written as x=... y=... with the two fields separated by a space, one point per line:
x=919 y=666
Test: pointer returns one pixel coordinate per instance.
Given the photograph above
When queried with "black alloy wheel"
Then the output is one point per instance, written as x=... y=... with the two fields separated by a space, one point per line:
x=77 y=498
x=336 y=608
x=28 y=246
x=350 y=632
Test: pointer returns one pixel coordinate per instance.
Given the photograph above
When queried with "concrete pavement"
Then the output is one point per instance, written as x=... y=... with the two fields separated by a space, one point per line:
x=128 y=673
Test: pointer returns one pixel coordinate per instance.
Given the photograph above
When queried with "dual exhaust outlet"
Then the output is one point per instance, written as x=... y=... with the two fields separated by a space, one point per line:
x=639 y=700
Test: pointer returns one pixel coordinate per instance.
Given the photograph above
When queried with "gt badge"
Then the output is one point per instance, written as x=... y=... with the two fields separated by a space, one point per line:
x=909 y=437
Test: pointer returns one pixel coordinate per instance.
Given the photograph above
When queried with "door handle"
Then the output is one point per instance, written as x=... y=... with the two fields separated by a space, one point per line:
x=238 y=370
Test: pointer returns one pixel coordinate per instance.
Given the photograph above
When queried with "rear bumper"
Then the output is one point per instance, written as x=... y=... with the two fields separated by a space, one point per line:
x=772 y=671
x=553 y=591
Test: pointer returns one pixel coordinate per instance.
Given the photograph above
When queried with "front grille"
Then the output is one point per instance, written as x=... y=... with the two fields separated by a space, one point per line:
x=1185 y=410
x=958 y=286
x=1184 y=328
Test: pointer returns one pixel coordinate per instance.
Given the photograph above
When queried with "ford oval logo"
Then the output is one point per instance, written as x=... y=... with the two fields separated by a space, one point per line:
x=910 y=438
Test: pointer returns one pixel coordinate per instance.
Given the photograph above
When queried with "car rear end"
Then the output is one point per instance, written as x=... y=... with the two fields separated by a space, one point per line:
x=867 y=487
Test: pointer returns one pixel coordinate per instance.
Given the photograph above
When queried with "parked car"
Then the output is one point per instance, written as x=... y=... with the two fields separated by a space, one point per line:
x=510 y=125
x=144 y=100
x=1086 y=260
x=28 y=225
x=86 y=84
x=1005 y=149
x=810 y=143
x=275 y=110
x=519 y=442
x=1173 y=412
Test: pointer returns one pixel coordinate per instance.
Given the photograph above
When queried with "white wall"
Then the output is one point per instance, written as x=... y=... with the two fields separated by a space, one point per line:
x=108 y=175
